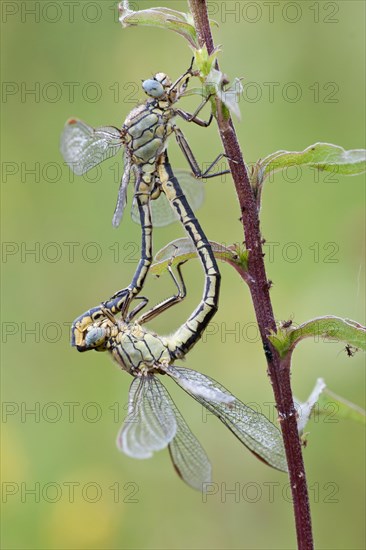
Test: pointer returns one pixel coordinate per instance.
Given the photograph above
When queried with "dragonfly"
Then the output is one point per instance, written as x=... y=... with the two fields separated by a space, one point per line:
x=153 y=421
x=143 y=136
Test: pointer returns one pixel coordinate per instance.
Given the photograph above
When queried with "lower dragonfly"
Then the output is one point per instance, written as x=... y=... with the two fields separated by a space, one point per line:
x=144 y=136
x=153 y=421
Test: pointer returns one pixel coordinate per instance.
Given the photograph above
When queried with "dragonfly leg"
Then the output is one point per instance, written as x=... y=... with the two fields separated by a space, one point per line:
x=188 y=153
x=206 y=174
x=139 y=307
x=107 y=313
x=169 y=302
x=186 y=75
x=192 y=117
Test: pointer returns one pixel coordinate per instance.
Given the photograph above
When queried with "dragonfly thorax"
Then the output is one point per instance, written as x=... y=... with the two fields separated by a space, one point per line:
x=137 y=349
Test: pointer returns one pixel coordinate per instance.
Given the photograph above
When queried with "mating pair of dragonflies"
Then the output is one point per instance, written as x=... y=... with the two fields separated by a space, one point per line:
x=153 y=422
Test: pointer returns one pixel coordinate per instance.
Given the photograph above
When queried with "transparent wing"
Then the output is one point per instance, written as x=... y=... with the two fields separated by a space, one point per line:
x=162 y=212
x=83 y=147
x=253 y=429
x=189 y=458
x=122 y=193
x=150 y=424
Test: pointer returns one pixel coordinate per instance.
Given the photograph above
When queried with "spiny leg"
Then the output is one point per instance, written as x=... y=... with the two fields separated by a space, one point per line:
x=188 y=153
x=192 y=117
x=136 y=309
x=169 y=302
x=185 y=75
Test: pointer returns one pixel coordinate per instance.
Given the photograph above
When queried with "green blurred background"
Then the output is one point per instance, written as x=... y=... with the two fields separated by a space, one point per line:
x=71 y=461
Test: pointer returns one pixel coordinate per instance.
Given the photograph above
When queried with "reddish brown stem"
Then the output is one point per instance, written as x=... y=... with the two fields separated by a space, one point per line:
x=278 y=370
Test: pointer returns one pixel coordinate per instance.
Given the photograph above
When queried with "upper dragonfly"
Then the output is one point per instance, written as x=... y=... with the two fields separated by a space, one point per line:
x=144 y=136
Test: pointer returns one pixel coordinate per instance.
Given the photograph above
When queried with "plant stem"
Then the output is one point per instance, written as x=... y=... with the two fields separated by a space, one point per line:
x=278 y=370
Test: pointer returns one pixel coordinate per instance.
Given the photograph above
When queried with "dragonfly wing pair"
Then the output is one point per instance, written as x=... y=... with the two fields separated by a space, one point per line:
x=154 y=423
x=150 y=424
x=84 y=147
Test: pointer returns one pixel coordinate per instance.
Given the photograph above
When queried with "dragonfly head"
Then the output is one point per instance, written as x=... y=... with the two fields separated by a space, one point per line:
x=95 y=337
x=158 y=86
x=161 y=87
x=90 y=331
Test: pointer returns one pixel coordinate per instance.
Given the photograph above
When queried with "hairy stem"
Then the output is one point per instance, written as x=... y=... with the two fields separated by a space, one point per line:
x=278 y=370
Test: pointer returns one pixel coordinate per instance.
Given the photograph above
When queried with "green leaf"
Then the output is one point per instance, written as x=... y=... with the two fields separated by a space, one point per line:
x=344 y=409
x=243 y=256
x=205 y=61
x=328 y=403
x=215 y=84
x=231 y=97
x=181 y=250
x=163 y=18
x=323 y=156
x=320 y=329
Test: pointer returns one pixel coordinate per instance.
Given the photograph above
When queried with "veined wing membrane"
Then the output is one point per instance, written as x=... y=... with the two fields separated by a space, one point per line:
x=253 y=429
x=83 y=147
x=189 y=458
x=122 y=193
x=150 y=424
x=161 y=210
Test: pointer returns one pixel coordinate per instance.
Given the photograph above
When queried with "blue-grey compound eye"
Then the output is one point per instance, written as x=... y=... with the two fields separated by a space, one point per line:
x=153 y=88
x=95 y=337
